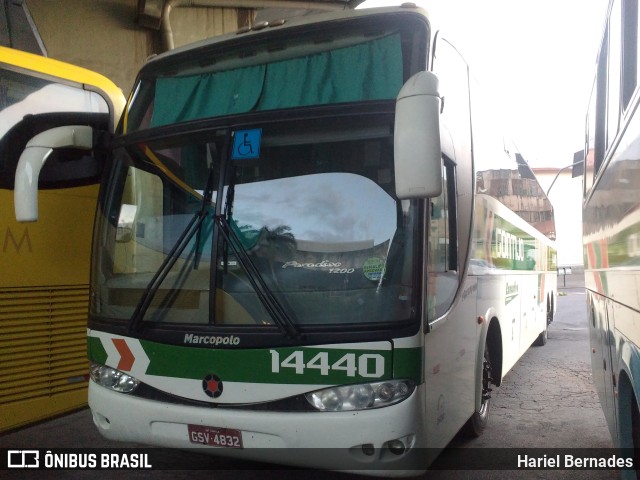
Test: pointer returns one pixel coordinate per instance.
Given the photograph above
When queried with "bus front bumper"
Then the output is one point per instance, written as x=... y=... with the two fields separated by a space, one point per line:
x=385 y=441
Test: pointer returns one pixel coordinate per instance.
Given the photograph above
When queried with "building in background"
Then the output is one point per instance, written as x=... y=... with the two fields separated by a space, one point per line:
x=566 y=198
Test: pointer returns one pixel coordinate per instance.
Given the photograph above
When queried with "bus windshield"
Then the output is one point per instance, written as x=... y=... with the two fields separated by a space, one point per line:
x=313 y=229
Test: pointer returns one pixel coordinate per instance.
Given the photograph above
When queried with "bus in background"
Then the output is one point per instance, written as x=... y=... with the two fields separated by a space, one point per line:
x=297 y=246
x=44 y=266
x=611 y=224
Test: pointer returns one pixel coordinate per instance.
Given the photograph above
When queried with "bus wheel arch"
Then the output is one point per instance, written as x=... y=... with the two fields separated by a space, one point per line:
x=541 y=340
x=494 y=344
x=629 y=414
x=490 y=374
x=635 y=430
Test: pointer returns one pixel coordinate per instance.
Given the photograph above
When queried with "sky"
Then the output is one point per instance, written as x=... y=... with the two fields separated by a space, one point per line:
x=535 y=58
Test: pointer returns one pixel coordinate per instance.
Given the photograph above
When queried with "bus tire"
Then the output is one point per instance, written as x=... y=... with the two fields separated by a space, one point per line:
x=544 y=335
x=478 y=421
x=542 y=338
x=635 y=433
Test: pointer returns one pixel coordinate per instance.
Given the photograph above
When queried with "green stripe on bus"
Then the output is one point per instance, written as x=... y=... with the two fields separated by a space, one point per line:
x=296 y=365
x=95 y=350
x=407 y=363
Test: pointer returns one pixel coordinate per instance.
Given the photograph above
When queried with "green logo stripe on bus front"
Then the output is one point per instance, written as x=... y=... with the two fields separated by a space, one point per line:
x=407 y=363
x=296 y=365
x=96 y=351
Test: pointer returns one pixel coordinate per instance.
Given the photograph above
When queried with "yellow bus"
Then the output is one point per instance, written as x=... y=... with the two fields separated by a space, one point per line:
x=44 y=297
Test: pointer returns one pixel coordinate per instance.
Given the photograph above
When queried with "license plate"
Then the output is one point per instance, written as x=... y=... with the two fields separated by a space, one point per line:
x=215 y=436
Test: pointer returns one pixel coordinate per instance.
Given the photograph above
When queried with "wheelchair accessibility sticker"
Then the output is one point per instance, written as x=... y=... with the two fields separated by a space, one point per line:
x=246 y=144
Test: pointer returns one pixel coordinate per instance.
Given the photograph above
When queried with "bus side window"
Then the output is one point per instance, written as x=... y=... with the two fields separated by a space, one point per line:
x=590 y=143
x=614 y=66
x=597 y=119
x=442 y=270
x=615 y=84
x=629 y=51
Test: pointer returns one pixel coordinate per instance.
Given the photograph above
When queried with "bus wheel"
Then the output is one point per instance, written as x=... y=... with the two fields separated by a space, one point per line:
x=544 y=335
x=478 y=421
x=635 y=432
x=542 y=338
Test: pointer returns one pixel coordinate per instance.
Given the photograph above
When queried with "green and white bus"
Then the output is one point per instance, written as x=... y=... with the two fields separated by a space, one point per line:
x=611 y=226
x=299 y=244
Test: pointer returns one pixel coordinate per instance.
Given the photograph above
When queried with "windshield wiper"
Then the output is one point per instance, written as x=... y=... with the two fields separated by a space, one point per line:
x=194 y=226
x=266 y=297
x=206 y=200
x=264 y=293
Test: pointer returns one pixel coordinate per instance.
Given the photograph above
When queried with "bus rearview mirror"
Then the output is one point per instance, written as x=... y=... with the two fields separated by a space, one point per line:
x=33 y=158
x=417 y=152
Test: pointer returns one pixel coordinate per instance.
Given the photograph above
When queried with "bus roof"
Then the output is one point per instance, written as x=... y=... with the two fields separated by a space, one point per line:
x=286 y=24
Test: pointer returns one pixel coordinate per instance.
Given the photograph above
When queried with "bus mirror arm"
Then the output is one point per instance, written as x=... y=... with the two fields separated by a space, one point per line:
x=417 y=150
x=32 y=160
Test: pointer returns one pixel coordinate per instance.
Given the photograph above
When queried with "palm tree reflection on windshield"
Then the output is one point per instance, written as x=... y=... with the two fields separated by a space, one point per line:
x=278 y=244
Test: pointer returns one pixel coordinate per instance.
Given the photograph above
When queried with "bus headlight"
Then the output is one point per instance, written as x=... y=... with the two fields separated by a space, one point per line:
x=114 y=379
x=362 y=396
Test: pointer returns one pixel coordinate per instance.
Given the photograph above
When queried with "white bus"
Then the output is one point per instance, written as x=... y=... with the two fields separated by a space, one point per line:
x=611 y=225
x=299 y=244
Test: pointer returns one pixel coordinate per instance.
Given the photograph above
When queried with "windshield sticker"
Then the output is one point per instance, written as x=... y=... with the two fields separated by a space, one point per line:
x=334 y=267
x=322 y=264
x=373 y=268
x=246 y=144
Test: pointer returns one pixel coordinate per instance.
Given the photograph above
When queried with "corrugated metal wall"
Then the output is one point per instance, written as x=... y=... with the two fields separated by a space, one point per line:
x=42 y=352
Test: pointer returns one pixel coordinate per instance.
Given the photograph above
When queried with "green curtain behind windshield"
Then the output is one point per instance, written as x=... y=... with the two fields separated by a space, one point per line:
x=179 y=99
x=368 y=71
